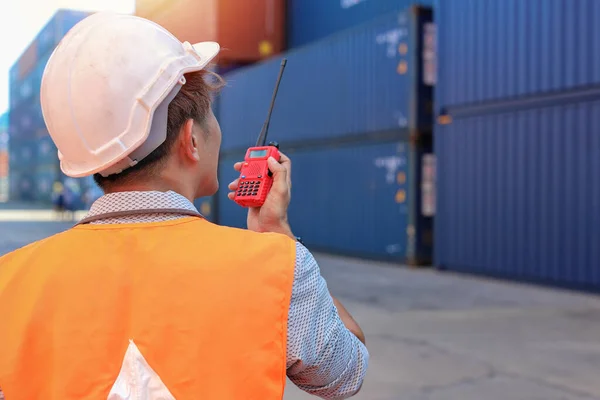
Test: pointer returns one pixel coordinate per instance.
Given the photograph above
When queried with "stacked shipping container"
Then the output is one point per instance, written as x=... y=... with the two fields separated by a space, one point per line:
x=4 y=157
x=246 y=30
x=34 y=163
x=519 y=151
x=311 y=20
x=354 y=112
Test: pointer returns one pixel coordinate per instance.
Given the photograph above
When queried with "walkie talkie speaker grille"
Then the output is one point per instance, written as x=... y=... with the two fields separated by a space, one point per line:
x=253 y=169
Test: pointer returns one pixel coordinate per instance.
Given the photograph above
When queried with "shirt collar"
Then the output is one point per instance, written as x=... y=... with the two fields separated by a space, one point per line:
x=130 y=201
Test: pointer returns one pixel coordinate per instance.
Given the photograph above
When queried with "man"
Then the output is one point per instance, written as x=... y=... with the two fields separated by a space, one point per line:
x=145 y=299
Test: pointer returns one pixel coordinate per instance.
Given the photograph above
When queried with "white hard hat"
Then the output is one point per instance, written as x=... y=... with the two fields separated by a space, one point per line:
x=107 y=87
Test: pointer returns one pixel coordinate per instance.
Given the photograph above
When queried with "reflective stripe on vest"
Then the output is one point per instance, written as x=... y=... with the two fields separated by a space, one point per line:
x=181 y=308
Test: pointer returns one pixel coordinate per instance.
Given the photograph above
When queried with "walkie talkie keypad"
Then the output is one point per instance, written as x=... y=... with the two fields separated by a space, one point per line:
x=248 y=188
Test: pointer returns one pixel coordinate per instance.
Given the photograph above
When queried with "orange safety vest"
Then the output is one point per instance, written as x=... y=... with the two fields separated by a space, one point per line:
x=199 y=308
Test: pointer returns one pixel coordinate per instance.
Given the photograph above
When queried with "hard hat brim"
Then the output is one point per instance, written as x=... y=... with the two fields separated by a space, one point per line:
x=207 y=51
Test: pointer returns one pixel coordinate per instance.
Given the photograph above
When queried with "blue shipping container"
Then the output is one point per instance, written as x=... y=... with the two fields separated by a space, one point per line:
x=26 y=74
x=310 y=20
x=22 y=155
x=208 y=207
x=519 y=195
x=57 y=27
x=367 y=81
x=22 y=186
x=356 y=199
x=491 y=50
x=45 y=177
x=47 y=152
x=26 y=121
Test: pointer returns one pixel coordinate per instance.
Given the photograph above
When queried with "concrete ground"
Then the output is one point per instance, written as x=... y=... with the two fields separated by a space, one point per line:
x=439 y=336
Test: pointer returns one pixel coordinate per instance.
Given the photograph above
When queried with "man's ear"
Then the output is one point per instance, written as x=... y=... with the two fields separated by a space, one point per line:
x=189 y=144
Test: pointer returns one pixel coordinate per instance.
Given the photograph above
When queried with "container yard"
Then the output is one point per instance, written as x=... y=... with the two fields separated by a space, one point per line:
x=444 y=162
x=422 y=119
x=34 y=166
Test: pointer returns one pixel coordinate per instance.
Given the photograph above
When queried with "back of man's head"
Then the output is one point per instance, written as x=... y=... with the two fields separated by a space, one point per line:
x=193 y=102
x=119 y=93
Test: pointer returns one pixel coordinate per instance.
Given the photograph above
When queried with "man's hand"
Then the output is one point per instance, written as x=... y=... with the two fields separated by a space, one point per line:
x=272 y=216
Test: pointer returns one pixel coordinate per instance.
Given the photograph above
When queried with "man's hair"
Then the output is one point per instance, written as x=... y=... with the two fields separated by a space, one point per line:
x=192 y=102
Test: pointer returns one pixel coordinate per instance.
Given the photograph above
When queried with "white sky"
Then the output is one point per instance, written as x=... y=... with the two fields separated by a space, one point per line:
x=21 y=20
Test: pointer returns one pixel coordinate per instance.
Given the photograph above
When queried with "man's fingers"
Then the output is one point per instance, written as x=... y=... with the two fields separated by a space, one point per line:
x=234 y=185
x=287 y=163
x=279 y=170
x=237 y=166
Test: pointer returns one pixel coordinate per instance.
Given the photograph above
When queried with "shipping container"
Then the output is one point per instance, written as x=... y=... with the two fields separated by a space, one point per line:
x=26 y=74
x=208 y=207
x=491 y=50
x=246 y=30
x=357 y=199
x=22 y=186
x=30 y=148
x=56 y=28
x=518 y=194
x=47 y=153
x=4 y=189
x=22 y=122
x=90 y=192
x=75 y=190
x=4 y=123
x=4 y=163
x=311 y=20
x=45 y=176
x=22 y=155
x=368 y=83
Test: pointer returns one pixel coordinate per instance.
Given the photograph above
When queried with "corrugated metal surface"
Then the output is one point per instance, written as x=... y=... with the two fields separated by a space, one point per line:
x=358 y=199
x=492 y=49
x=246 y=30
x=310 y=20
x=519 y=195
x=22 y=154
x=364 y=81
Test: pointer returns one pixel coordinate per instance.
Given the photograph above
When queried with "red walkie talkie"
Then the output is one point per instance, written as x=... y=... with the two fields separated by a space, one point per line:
x=255 y=178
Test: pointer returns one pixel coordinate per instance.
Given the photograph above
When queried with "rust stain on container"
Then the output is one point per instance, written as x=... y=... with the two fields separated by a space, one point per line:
x=402 y=67
x=400 y=196
x=401 y=178
x=403 y=48
x=247 y=31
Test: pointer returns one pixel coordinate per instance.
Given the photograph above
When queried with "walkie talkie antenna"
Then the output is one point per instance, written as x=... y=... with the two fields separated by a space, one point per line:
x=262 y=138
